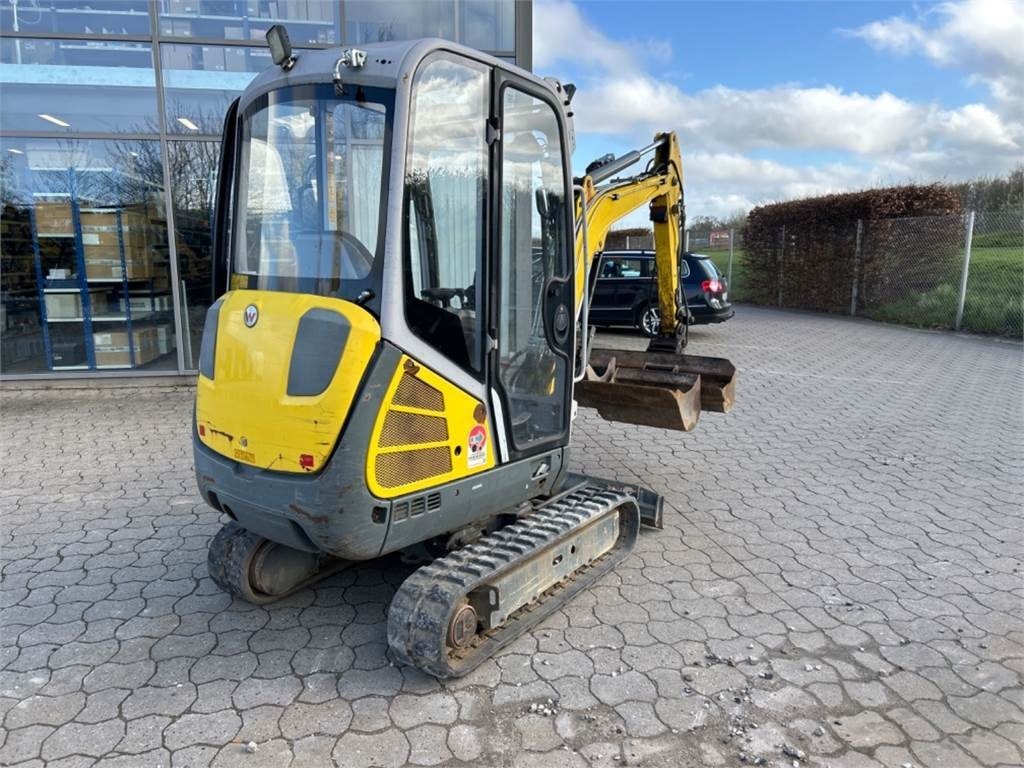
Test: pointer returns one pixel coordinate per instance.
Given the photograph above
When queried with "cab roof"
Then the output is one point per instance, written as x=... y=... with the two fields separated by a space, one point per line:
x=388 y=64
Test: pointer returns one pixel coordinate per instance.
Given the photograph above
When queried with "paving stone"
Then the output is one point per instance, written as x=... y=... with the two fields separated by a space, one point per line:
x=866 y=729
x=387 y=749
x=860 y=540
x=144 y=734
x=464 y=742
x=214 y=729
x=95 y=739
x=408 y=711
x=331 y=718
x=44 y=710
x=428 y=745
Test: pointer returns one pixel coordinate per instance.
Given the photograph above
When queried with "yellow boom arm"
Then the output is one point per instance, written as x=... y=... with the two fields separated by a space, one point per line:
x=661 y=186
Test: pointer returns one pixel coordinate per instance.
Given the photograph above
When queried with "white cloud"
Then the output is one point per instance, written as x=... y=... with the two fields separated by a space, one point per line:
x=785 y=117
x=984 y=38
x=878 y=138
x=561 y=35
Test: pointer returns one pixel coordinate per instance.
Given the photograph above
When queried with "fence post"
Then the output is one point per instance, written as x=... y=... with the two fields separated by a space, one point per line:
x=782 y=256
x=968 y=236
x=728 y=275
x=686 y=241
x=856 y=268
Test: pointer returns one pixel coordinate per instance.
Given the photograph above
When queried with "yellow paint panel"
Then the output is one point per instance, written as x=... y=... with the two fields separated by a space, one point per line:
x=430 y=455
x=245 y=413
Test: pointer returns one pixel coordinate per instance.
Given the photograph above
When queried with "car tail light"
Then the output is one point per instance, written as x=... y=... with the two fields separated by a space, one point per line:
x=713 y=286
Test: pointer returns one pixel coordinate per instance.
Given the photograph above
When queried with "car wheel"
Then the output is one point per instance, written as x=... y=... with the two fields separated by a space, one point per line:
x=650 y=320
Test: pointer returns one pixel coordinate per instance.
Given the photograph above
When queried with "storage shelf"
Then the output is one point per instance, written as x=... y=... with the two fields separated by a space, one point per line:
x=141 y=315
x=118 y=280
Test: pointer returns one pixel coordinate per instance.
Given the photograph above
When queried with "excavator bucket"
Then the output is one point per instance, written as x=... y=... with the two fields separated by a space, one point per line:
x=656 y=389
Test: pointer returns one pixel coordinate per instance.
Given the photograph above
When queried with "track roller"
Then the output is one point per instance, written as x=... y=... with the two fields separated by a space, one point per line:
x=449 y=616
x=261 y=571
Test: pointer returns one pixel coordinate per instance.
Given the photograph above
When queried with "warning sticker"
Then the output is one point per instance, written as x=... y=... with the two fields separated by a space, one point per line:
x=477 y=446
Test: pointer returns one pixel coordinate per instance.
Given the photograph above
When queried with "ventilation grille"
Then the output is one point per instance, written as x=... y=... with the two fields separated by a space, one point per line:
x=403 y=428
x=405 y=467
x=416 y=507
x=413 y=393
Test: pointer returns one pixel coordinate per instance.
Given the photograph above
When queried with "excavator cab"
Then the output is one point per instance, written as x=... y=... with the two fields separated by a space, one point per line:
x=392 y=363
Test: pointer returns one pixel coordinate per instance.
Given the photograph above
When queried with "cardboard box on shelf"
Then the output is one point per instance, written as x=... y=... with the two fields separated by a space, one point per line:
x=164 y=339
x=145 y=337
x=54 y=218
x=109 y=237
x=103 y=262
x=64 y=306
x=115 y=347
x=111 y=356
x=147 y=303
x=106 y=219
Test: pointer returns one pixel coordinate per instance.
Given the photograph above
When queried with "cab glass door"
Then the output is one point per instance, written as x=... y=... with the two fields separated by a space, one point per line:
x=534 y=317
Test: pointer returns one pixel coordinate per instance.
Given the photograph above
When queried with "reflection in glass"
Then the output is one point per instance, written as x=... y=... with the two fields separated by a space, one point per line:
x=533 y=246
x=308 y=21
x=446 y=194
x=85 y=283
x=489 y=25
x=311 y=191
x=201 y=81
x=52 y=85
x=370 y=21
x=192 y=167
x=101 y=17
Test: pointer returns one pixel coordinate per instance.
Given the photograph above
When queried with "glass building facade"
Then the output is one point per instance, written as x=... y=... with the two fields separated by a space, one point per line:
x=110 y=115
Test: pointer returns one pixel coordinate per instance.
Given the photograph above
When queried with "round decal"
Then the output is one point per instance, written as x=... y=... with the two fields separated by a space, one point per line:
x=252 y=314
x=477 y=446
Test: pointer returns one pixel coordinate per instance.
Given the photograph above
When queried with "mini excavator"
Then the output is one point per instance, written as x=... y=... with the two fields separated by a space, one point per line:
x=397 y=359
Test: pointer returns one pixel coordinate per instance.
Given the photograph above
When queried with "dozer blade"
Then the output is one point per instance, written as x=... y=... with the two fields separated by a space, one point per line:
x=656 y=389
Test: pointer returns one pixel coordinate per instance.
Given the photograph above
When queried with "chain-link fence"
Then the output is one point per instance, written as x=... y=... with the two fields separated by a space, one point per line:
x=725 y=247
x=958 y=271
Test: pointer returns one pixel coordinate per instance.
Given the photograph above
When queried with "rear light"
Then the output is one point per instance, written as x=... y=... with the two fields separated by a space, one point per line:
x=202 y=430
x=306 y=461
x=713 y=286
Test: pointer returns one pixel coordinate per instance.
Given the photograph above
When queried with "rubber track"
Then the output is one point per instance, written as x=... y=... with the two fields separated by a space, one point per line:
x=425 y=603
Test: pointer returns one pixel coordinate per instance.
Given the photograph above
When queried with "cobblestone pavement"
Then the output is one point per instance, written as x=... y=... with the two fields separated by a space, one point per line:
x=839 y=582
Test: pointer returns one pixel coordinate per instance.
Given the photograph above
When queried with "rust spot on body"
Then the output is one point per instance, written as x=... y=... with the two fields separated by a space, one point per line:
x=316 y=519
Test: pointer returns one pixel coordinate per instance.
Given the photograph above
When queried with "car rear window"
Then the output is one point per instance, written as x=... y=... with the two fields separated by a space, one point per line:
x=708 y=267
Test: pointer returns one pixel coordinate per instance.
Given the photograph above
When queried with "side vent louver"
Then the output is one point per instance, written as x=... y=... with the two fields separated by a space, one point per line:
x=419 y=505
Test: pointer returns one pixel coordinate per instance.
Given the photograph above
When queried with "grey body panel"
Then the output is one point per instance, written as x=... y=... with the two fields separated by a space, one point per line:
x=466 y=501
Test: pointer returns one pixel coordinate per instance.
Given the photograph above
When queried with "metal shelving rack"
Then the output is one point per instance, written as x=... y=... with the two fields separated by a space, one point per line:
x=85 y=286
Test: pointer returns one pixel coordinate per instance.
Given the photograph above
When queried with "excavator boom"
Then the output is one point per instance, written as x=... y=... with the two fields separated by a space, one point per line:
x=661 y=387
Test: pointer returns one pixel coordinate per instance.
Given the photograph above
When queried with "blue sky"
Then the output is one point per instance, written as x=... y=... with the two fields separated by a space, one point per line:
x=774 y=100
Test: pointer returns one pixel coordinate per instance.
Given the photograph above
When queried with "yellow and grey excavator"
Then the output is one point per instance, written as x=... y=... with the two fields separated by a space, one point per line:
x=397 y=359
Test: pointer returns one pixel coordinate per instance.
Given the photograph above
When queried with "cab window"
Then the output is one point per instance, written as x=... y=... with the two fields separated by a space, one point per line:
x=445 y=207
